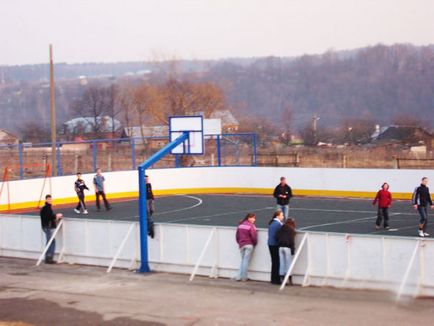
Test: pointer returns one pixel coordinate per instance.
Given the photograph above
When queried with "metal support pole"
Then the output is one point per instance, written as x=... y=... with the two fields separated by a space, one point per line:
x=59 y=160
x=407 y=272
x=177 y=161
x=133 y=153
x=254 y=150
x=21 y=158
x=294 y=261
x=49 y=243
x=219 y=154
x=94 y=152
x=202 y=254
x=121 y=247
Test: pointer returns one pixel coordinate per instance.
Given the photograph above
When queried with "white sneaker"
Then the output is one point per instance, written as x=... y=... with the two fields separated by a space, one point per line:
x=76 y=210
x=421 y=234
x=426 y=234
x=85 y=212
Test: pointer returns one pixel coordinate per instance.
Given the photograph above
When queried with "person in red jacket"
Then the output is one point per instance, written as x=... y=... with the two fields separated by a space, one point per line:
x=384 y=199
x=247 y=239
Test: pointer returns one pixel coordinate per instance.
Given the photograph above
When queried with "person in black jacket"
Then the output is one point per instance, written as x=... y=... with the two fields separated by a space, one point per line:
x=286 y=240
x=283 y=194
x=79 y=187
x=49 y=222
x=420 y=200
x=150 y=205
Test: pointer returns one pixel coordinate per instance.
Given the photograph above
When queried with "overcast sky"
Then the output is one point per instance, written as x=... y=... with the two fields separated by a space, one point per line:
x=130 y=30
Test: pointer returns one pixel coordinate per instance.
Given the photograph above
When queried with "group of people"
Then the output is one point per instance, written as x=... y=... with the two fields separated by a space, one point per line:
x=281 y=228
x=49 y=219
x=281 y=237
x=421 y=200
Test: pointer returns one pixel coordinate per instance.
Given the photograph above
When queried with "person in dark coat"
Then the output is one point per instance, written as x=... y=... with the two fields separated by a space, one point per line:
x=150 y=206
x=79 y=187
x=273 y=226
x=421 y=200
x=286 y=240
x=49 y=223
x=283 y=193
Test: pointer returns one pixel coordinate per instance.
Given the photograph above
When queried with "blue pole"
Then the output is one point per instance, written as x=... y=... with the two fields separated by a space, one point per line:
x=254 y=150
x=59 y=160
x=177 y=161
x=133 y=153
x=143 y=212
x=94 y=155
x=219 y=157
x=21 y=157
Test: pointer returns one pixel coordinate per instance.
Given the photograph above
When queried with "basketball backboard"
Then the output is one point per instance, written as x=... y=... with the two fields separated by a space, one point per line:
x=194 y=126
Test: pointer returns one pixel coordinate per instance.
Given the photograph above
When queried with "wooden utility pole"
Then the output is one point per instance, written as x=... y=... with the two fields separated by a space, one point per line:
x=53 y=116
x=314 y=127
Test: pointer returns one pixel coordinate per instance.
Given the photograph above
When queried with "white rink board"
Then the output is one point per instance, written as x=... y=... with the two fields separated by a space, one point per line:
x=339 y=260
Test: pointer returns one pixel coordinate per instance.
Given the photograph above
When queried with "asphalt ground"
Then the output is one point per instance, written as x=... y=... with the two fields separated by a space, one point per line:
x=341 y=215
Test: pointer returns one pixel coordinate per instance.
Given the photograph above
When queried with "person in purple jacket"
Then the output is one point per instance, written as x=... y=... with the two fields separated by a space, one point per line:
x=247 y=239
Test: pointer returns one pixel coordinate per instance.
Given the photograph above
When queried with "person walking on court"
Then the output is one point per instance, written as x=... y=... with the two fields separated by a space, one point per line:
x=420 y=200
x=384 y=199
x=283 y=194
x=98 y=183
x=49 y=222
x=273 y=226
x=286 y=240
x=79 y=187
x=150 y=206
x=246 y=237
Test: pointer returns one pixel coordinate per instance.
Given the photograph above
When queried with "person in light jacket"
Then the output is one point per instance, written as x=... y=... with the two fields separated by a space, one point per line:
x=247 y=239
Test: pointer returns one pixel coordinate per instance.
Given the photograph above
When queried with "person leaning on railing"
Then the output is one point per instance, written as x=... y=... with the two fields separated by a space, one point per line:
x=49 y=222
x=247 y=239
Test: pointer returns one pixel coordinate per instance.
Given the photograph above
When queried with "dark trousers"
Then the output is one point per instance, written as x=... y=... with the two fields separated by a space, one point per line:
x=275 y=264
x=423 y=221
x=383 y=214
x=106 y=203
x=81 y=204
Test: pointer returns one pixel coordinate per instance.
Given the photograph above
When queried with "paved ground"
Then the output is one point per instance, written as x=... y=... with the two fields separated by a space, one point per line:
x=83 y=295
x=315 y=214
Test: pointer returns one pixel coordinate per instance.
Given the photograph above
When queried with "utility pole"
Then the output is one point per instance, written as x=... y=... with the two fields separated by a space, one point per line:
x=53 y=116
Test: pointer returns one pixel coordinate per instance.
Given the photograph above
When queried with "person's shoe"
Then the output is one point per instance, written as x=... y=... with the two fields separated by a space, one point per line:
x=421 y=234
x=387 y=227
x=50 y=261
x=76 y=210
x=85 y=212
x=108 y=208
x=377 y=227
x=426 y=234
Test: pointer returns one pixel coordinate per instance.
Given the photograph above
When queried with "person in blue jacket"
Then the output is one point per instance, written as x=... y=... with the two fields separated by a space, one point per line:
x=273 y=226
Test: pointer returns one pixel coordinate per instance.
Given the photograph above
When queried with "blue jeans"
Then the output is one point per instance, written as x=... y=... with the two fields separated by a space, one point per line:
x=50 y=252
x=246 y=254
x=285 y=259
x=423 y=221
x=285 y=210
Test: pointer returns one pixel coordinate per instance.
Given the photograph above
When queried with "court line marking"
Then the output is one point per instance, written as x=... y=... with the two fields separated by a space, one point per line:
x=343 y=222
x=199 y=202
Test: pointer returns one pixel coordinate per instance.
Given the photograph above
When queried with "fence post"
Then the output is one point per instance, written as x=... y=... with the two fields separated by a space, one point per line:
x=94 y=152
x=21 y=157
x=59 y=160
x=344 y=161
x=407 y=272
x=121 y=247
x=294 y=261
x=254 y=150
x=49 y=243
x=133 y=153
x=202 y=254
x=219 y=156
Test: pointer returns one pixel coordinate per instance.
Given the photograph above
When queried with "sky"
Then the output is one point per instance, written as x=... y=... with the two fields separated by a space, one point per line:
x=141 y=30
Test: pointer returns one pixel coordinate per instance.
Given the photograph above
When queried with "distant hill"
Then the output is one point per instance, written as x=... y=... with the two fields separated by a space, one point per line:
x=377 y=83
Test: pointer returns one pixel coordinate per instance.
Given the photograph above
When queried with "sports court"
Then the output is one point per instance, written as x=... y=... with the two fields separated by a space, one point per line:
x=311 y=213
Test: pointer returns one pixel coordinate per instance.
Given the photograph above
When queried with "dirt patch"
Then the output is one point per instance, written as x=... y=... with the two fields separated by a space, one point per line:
x=39 y=312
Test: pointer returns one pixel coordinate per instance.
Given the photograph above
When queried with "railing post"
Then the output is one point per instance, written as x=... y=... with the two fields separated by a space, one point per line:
x=219 y=156
x=202 y=254
x=294 y=261
x=121 y=247
x=21 y=158
x=49 y=243
x=407 y=272
x=254 y=150
x=133 y=153
x=59 y=160
x=94 y=152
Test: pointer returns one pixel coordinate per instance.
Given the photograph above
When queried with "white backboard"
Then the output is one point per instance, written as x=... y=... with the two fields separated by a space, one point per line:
x=194 y=126
x=212 y=127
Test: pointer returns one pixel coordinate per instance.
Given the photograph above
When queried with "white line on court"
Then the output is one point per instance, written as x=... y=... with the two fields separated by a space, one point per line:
x=343 y=222
x=199 y=202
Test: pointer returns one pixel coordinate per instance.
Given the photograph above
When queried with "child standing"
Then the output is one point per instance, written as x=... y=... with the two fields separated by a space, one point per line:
x=384 y=199
x=98 y=183
x=79 y=187
x=247 y=239
x=286 y=240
